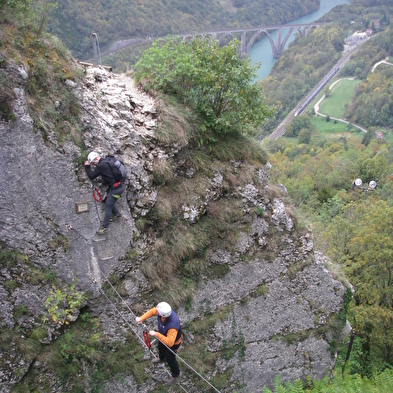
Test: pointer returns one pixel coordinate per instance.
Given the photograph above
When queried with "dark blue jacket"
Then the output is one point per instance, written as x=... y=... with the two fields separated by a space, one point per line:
x=171 y=322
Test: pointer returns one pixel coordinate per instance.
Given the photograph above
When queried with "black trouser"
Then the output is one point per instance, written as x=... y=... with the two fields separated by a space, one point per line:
x=110 y=208
x=166 y=355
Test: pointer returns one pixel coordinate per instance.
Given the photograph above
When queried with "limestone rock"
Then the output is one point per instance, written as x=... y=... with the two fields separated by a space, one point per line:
x=265 y=298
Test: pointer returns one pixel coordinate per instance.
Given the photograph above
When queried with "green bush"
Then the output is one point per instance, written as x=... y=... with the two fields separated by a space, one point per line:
x=217 y=82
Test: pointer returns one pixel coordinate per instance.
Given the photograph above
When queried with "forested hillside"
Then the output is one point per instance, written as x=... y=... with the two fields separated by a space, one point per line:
x=352 y=225
x=353 y=228
x=311 y=57
x=373 y=102
x=74 y=21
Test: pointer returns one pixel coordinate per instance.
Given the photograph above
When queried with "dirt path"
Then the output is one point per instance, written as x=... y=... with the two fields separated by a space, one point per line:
x=381 y=62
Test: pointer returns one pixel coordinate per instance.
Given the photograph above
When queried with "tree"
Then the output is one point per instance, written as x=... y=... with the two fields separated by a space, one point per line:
x=15 y=4
x=305 y=135
x=44 y=8
x=297 y=124
x=338 y=44
x=367 y=138
x=372 y=168
x=369 y=267
x=216 y=82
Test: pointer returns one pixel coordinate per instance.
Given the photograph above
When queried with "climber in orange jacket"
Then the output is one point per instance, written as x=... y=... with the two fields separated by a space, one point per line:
x=169 y=335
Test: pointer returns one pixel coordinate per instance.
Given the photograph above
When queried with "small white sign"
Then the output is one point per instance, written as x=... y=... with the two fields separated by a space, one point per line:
x=81 y=207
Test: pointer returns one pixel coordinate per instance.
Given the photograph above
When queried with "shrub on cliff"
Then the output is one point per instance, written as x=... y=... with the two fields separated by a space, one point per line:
x=217 y=82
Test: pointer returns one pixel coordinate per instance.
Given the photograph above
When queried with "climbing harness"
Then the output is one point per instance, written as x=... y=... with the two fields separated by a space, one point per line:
x=147 y=342
x=147 y=339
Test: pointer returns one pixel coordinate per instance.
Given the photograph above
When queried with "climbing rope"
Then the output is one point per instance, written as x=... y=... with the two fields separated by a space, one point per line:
x=143 y=341
x=96 y=194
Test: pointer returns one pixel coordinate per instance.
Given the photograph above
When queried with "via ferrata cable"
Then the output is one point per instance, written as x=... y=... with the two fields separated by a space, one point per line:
x=136 y=333
x=144 y=343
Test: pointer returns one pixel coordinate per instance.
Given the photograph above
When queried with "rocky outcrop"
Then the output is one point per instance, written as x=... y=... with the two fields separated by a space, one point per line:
x=277 y=309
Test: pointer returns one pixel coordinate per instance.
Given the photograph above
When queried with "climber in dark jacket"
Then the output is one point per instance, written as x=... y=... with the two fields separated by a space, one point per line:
x=104 y=170
x=169 y=335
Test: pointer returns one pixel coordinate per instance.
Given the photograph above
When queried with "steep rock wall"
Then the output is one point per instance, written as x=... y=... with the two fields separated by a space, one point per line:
x=282 y=329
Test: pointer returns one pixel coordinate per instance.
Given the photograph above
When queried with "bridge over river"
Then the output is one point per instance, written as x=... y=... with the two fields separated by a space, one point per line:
x=247 y=37
x=247 y=41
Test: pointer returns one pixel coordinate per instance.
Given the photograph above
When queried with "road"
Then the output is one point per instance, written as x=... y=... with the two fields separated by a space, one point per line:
x=280 y=130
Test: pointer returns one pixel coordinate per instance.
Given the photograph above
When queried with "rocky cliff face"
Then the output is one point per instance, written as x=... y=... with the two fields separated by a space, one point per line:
x=275 y=298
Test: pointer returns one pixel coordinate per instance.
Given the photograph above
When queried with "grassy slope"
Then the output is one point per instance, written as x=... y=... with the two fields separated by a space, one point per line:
x=329 y=128
x=341 y=94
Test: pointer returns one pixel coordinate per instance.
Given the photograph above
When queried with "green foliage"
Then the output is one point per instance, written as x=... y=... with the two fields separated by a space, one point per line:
x=50 y=276
x=325 y=194
x=72 y=348
x=83 y=349
x=259 y=211
x=52 y=103
x=10 y=258
x=305 y=135
x=309 y=58
x=39 y=333
x=31 y=14
x=59 y=242
x=10 y=285
x=369 y=265
x=372 y=168
x=353 y=231
x=372 y=104
x=236 y=344
x=261 y=290
x=19 y=311
x=215 y=81
x=236 y=146
x=42 y=11
x=15 y=5
x=62 y=303
x=7 y=95
x=297 y=125
x=339 y=384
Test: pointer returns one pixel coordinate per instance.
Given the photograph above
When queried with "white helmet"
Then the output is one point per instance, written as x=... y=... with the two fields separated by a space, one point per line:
x=92 y=156
x=164 y=309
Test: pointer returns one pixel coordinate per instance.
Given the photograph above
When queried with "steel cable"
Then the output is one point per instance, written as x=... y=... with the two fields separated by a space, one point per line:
x=144 y=344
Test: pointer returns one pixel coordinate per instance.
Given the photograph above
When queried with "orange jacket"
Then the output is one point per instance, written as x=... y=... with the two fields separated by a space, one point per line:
x=169 y=339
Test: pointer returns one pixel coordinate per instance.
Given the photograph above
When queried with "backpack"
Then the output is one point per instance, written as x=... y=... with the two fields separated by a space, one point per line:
x=119 y=171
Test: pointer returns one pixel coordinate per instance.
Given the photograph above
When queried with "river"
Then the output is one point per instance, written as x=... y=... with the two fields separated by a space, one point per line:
x=261 y=52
